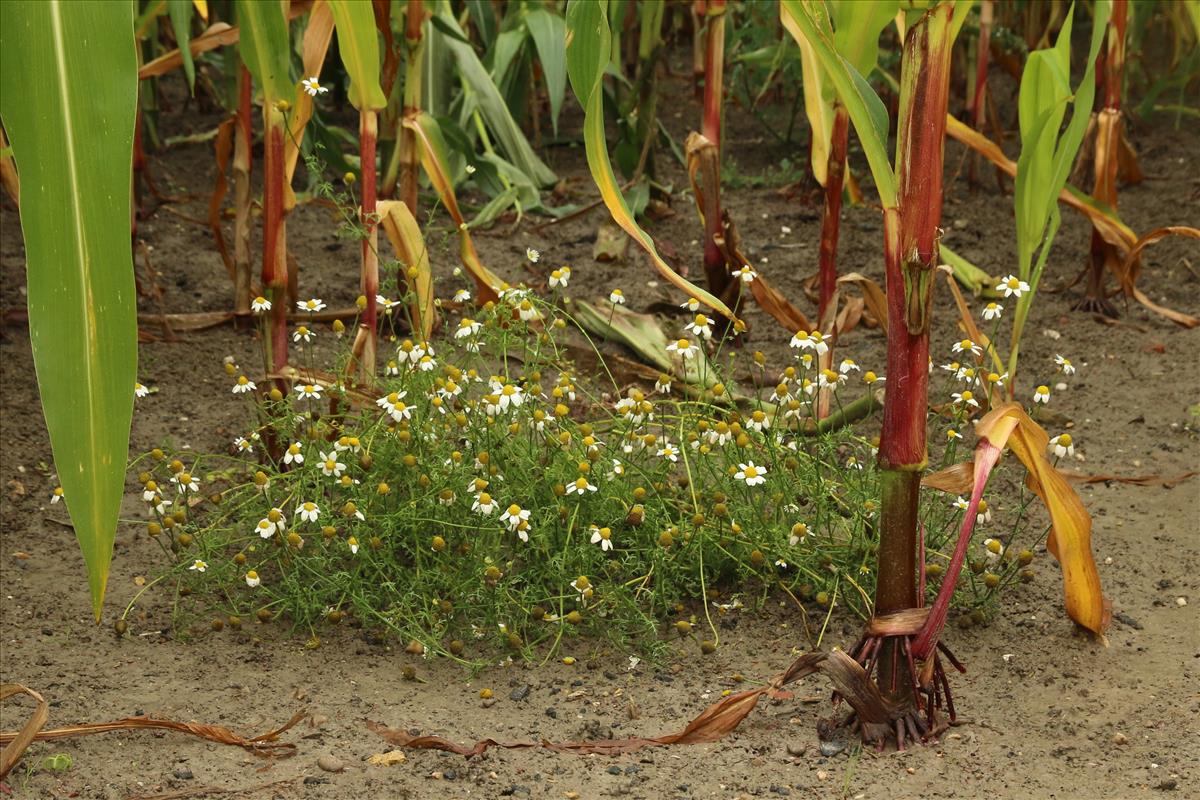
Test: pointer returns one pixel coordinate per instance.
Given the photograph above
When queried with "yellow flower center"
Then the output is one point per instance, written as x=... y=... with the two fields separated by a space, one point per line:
x=750 y=472
x=514 y=510
x=1064 y=439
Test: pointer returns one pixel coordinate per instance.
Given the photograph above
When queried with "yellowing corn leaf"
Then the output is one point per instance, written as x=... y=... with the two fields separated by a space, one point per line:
x=588 y=52
x=314 y=47
x=405 y=235
x=1070 y=525
x=433 y=161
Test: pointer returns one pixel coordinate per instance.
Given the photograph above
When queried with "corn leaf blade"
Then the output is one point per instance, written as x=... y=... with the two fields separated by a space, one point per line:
x=68 y=93
x=358 y=46
x=588 y=45
x=549 y=32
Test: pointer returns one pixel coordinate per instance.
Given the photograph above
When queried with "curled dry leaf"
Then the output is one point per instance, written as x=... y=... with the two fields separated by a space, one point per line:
x=264 y=745
x=714 y=723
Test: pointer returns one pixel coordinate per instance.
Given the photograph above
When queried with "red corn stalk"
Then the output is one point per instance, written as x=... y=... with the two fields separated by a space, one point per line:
x=242 y=160
x=979 y=95
x=275 y=268
x=1109 y=137
x=911 y=255
x=716 y=271
x=367 y=133
x=827 y=257
x=410 y=160
x=830 y=221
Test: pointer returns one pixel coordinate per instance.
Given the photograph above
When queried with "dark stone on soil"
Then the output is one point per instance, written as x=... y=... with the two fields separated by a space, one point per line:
x=552 y=713
x=521 y=692
x=450 y=775
x=614 y=770
x=1125 y=619
x=1169 y=785
x=312 y=780
x=183 y=774
x=782 y=791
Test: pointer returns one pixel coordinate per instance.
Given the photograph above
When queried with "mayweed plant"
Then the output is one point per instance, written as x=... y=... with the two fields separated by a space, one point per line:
x=482 y=496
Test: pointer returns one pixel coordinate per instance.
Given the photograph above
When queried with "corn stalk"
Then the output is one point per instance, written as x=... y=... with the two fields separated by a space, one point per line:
x=264 y=48
x=243 y=140
x=359 y=49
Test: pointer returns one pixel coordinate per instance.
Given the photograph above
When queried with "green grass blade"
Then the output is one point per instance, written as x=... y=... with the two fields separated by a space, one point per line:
x=68 y=93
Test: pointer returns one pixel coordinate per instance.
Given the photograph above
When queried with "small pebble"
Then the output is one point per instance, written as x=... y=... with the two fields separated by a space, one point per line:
x=1181 y=601
x=521 y=692
x=489 y=702
x=614 y=770
x=183 y=774
x=331 y=763
x=1120 y=738
x=797 y=748
x=822 y=775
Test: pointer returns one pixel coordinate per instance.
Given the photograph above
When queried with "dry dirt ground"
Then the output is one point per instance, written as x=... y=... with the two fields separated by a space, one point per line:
x=1047 y=713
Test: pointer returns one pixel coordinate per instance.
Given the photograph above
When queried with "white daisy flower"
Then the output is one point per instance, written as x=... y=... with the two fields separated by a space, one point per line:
x=260 y=304
x=467 y=327
x=602 y=537
x=966 y=397
x=1063 y=445
x=243 y=385
x=309 y=512
x=294 y=454
x=302 y=334
x=560 y=277
x=139 y=390
x=462 y=295
x=966 y=345
x=580 y=487
x=616 y=297
x=1065 y=365
x=701 y=326
x=992 y=311
x=387 y=304
x=185 y=481
x=484 y=504
x=57 y=495
x=684 y=348
x=532 y=255
x=663 y=384
x=313 y=86
x=199 y=566
x=252 y=579
x=752 y=474
x=514 y=516
x=1012 y=286
x=668 y=452
x=745 y=273
x=330 y=466
x=311 y=305
x=1041 y=394
x=309 y=391
x=692 y=304
x=847 y=366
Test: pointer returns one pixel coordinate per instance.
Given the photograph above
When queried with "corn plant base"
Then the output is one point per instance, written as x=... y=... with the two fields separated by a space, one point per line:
x=925 y=687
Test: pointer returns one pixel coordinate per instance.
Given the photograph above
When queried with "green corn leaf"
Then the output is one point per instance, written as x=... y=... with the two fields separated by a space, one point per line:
x=264 y=47
x=1046 y=158
x=68 y=94
x=180 y=12
x=491 y=104
x=808 y=21
x=549 y=32
x=358 y=46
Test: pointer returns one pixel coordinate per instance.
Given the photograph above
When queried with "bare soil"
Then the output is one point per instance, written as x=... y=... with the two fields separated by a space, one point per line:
x=1046 y=712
